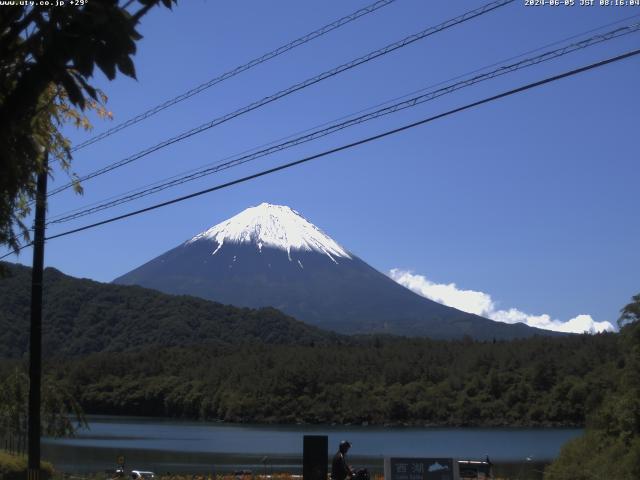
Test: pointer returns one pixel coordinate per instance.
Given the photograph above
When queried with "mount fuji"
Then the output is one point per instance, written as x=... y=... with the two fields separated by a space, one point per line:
x=270 y=255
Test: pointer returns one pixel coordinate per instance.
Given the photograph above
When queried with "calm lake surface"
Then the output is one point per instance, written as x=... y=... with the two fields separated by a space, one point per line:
x=182 y=446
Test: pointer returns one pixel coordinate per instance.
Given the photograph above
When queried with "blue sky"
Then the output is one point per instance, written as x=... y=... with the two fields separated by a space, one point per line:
x=531 y=199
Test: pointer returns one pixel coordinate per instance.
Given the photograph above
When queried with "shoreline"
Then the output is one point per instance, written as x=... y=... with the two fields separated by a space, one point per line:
x=371 y=425
x=212 y=463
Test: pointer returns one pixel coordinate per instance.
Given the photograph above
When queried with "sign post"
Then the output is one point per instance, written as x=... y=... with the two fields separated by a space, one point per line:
x=420 y=469
x=315 y=456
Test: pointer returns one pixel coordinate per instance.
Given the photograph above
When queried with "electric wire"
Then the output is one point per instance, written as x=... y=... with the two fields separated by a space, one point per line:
x=343 y=117
x=387 y=133
x=294 y=88
x=412 y=102
x=325 y=153
x=16 y=251
x=237 y=70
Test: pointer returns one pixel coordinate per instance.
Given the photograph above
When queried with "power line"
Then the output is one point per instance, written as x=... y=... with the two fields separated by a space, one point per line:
x=344 y=117
x=387 y=133
x=13 y=252
x=347 y=146
x=237 y=70
x=412 y=102
x=294 y=88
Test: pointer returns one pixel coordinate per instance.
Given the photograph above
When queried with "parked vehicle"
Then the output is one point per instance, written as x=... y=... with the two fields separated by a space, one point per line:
x=476 y=470
x=142 y=475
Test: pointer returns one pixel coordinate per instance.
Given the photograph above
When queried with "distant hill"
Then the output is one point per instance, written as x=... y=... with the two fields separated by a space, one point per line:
x=270 y=255
x=83 y=316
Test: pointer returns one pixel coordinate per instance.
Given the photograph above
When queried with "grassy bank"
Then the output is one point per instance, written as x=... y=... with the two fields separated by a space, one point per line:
x=14 y=467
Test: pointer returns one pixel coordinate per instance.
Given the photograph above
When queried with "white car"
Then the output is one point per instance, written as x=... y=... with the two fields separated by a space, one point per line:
x=140 y=475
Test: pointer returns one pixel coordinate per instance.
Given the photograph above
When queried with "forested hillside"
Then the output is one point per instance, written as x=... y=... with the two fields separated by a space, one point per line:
x=82 y=316
x=180 y=356
x=610 y=447
x=380 y=380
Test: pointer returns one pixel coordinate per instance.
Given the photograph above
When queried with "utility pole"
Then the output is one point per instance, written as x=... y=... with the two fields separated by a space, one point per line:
x=35 y=338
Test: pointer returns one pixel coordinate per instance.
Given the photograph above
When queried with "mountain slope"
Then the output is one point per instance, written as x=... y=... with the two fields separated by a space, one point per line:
x=82 y=316
x=270 y=255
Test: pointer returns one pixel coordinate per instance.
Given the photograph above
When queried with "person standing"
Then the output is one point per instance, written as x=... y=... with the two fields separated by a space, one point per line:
x=340 y=470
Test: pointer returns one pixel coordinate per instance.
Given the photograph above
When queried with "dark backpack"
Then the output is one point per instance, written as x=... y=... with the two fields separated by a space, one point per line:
x=362 y=474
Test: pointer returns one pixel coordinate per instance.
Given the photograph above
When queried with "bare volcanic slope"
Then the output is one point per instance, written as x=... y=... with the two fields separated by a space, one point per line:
x=270 y=255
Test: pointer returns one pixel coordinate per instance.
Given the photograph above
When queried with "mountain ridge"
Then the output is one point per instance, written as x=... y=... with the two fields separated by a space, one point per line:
x=82 y=316
x=241 y=261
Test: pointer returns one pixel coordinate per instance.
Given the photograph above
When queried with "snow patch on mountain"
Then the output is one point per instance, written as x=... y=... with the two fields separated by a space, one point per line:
x=275 y=226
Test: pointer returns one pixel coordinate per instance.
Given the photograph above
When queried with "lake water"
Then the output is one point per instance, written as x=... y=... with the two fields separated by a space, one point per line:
x=199 y=447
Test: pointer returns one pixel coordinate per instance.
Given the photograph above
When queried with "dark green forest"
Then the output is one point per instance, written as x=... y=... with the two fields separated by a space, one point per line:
x=134 y=351
x=610 y=447
x=82 y=316
x=574 y=380
x=376 y=380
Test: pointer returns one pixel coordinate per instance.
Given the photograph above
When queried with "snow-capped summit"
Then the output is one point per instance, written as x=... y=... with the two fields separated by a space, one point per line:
x=270 y=255
x=275 y=226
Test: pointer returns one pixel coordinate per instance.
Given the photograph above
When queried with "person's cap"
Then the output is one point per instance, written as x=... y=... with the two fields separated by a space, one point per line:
x=344 y=443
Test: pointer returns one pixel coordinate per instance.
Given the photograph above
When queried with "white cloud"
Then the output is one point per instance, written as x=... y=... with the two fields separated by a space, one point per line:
x=481 y=303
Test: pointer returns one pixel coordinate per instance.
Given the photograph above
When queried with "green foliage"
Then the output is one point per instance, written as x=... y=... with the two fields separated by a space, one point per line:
x=83 y=316
x=132 y=351
x=13 y=467
x=61 y=414
x=611 y=446
x=47 y=57
x=378 y=380
x=631 y=312
x=14 y=394
x=596 y=455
